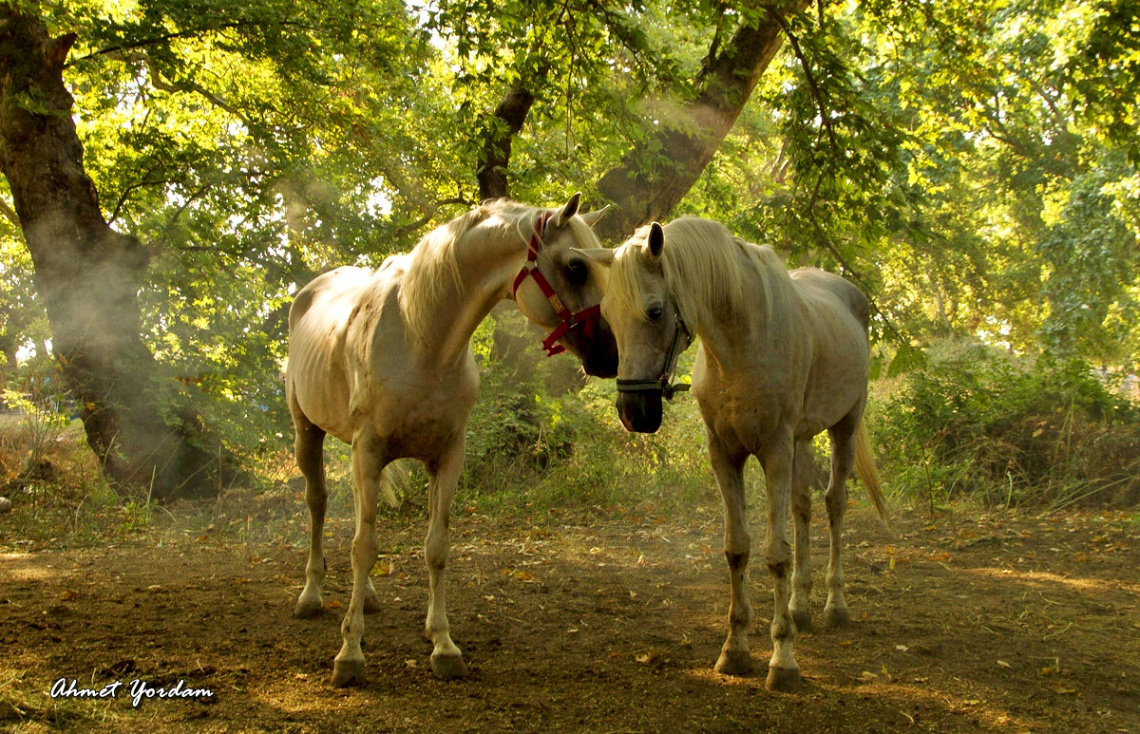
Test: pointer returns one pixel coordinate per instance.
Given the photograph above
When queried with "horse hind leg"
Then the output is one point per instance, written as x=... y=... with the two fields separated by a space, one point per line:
x=446 y=658
x=308 y=449
x=842 y=435
x=801 y=516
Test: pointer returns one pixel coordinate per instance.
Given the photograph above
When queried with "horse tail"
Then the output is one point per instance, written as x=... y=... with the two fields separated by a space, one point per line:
x=394 y=476
x=868 y=474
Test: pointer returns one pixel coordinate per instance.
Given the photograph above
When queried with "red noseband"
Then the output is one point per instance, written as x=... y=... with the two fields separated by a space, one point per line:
x=588 y=317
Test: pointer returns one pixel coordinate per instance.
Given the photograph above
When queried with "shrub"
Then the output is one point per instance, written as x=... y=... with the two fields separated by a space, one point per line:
x=976 y=421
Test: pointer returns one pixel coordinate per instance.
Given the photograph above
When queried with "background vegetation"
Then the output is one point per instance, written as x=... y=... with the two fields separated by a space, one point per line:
x=971 y=165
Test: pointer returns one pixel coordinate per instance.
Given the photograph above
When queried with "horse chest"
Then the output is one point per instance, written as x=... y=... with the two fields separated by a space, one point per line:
x=745 y=421
x=416 y=418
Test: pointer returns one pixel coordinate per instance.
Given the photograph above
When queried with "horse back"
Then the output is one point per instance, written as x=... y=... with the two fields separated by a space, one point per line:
x=317 y=374
x=827 y=292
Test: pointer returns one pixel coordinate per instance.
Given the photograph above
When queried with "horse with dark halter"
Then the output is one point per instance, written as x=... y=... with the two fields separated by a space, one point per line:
x=783 y=357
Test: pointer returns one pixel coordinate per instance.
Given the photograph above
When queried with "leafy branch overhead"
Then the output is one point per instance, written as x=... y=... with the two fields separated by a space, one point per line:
x=972 y=165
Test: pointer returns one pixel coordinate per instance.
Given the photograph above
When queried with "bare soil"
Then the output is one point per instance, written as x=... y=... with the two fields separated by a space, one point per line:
x=608 y=623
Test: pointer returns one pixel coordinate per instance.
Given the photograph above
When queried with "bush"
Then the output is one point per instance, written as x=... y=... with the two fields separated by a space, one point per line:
x=543 y=435
x=975 y=421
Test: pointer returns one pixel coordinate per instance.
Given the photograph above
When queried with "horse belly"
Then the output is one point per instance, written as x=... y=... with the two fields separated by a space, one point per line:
x=320 y=390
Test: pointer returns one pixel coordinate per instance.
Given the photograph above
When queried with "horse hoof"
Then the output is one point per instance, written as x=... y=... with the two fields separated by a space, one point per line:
x=734 y=662
x=836 y=618
x=783 y=679
x=802 y=620
x=348 y=673
x=449 y=667
x=308 y=608
x=372 y=604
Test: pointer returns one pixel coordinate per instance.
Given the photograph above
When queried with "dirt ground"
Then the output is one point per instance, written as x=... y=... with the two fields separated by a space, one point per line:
x=609 y=623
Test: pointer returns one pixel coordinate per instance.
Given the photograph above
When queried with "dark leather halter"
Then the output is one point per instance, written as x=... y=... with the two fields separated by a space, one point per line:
x=588 y=317
x=664 y=383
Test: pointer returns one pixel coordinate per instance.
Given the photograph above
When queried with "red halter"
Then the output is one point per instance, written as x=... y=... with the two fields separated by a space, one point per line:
x=589 y=317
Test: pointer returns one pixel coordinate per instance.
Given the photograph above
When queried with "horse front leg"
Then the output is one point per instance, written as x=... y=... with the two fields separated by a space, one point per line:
x=735 y=656
x=801 y=519
x=369 y=455
x=446 y=658
x=835 y=612
x=778 y=459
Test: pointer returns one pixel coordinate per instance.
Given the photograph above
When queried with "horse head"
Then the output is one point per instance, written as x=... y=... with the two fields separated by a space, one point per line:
x=647 y=326
x=559 y=290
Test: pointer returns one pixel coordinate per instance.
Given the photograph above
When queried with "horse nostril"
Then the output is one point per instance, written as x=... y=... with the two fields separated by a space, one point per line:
x=640 y=412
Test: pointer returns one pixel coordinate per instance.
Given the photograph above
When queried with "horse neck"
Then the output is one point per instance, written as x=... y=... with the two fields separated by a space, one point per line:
x=743 y=339
x=489 y=256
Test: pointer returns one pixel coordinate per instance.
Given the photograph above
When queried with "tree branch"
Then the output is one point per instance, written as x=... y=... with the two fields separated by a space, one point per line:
x=499 y=132
x=646 y=185
x=816 y=93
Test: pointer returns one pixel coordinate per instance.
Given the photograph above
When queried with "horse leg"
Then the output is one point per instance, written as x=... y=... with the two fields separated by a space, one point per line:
x=735 y=657
x=801 y=517
x=778 y=458
x=308 y=447
x=842 y=435
x=369 y=456
x=446 y=659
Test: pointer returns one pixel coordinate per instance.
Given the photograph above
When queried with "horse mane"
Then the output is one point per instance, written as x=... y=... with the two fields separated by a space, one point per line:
x=431 y=262
x=701 y=266
x=435 y=259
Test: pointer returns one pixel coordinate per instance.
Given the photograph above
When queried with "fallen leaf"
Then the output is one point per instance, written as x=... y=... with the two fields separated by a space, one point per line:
x=68 y=595
x=1004 y=664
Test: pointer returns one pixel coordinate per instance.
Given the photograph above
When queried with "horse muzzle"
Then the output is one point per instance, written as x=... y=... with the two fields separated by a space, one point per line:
x=597 y=350
x=640 y=411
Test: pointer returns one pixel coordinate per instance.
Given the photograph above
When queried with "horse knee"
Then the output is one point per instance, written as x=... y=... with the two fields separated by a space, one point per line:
x=778 y=556
x=736 y=561
x=436 y=551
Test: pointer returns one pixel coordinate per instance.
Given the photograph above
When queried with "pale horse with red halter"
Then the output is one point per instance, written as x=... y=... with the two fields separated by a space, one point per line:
x=381 y=359
x=783 y=357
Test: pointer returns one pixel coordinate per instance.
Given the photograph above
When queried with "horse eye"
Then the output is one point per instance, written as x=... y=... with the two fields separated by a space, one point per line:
x=579 y=270
x=654 y=313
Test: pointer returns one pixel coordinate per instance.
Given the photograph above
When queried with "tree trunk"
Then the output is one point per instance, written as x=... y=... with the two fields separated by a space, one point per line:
x=647 y=186
x=88 y=276
x=500 y=130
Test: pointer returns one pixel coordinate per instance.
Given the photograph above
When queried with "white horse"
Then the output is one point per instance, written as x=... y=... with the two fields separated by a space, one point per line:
x=382 y=360
x=783 y=357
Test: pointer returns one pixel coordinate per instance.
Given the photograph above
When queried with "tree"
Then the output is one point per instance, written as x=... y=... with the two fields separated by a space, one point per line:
x=88 y=276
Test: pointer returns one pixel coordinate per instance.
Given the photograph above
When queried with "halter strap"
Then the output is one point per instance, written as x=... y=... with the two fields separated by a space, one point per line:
x=664 y=383
x=588 y=317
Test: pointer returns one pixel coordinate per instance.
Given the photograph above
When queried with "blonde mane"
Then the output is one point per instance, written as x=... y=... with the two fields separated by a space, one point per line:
x=702 y=270
x=435 y=259
x=431 y=262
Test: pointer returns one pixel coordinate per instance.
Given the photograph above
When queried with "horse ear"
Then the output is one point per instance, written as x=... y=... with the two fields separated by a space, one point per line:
x=600 y=255
x=591 y=218
x=656 y=239
x=568 y=211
